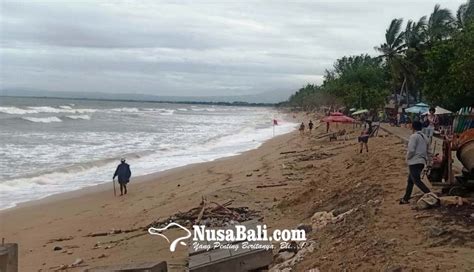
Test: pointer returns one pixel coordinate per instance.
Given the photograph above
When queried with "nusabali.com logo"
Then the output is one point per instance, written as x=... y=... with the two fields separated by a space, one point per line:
x=239 y=236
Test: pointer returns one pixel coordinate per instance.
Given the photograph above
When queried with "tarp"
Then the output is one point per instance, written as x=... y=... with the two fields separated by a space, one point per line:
x=360 y=112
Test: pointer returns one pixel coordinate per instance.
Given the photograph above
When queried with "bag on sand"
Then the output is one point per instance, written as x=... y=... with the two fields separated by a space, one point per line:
x=427 y=201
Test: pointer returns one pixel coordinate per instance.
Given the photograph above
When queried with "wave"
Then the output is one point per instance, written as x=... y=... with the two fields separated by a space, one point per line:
x=43 y=109
x=52 y=119
x=81 y=117
x=204 y=109
x=125 y=110
x=15 y=110
x=165 y=112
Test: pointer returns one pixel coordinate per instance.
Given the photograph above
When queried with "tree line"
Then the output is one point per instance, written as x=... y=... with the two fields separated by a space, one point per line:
x=430 y=59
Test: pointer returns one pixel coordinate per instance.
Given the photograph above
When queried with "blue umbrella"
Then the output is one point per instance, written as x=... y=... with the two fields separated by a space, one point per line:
x=421 y=104
x=418 y=108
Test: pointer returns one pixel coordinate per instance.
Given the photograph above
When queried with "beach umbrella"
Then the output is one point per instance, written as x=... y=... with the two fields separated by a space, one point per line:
x=338 y=119
x=421 y=104
x=360 y=112
x=439 y=111
x=418 y=108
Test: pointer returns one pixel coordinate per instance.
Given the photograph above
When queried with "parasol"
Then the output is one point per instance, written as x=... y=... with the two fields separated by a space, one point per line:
x=338 y=119
x=360 y=112
x=440 y=111
x=418 y=108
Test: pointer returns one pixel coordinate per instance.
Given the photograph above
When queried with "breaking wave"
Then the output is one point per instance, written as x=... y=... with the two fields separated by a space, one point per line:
x=52 y=119
x=81 y=117
x=44 y=109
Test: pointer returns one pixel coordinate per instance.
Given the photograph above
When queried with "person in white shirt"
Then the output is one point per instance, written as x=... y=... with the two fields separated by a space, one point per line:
x=417 y=157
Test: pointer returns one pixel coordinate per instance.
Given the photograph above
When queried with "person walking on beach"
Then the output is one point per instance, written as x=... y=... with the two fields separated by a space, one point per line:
x=123 y=172
x=364 y=140
x=310 y=126
x=417 y=158
x=302 y=128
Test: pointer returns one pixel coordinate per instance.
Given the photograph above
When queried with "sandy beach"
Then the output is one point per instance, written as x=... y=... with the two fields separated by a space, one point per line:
x=380 y=235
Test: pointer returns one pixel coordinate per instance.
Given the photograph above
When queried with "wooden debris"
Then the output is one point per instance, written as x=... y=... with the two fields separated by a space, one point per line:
x=215 y=215
x=272 y=185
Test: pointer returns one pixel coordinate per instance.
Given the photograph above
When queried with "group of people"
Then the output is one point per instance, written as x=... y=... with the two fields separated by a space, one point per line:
x=303 y=127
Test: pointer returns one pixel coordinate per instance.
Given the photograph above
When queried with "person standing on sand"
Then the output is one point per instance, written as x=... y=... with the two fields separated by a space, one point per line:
x=310 y=126
x=302 y=128
x=364 y=140
x=123 y=172
x=417 y=158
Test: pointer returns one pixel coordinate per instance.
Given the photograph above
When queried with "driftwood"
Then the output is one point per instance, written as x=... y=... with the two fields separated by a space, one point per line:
x=272 y=185
x=215 y=215
x=201 y=213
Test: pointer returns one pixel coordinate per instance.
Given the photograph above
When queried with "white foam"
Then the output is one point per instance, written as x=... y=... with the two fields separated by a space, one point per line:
x=52 y=119
x=76 y=117
x=125 y=110
x=44 y=109
x=16 y=110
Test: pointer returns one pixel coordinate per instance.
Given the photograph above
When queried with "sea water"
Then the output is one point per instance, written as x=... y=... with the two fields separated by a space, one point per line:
x=50 y=146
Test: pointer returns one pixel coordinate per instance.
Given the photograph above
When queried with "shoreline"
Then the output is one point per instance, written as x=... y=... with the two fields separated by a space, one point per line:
x=103 y=187
x=91 y=188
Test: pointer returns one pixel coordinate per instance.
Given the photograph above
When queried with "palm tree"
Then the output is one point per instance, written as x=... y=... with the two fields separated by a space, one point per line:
x=414 y=35
x=440 y=25
x=414 y=38
x=393 y=45
x=465 y=13
x=392 y=51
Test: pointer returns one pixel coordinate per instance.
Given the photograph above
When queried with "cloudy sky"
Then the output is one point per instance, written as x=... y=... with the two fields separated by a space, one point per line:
x=188 y=47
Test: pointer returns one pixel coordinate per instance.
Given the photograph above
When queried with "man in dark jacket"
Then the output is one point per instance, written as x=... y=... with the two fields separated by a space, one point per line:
x=123 y=172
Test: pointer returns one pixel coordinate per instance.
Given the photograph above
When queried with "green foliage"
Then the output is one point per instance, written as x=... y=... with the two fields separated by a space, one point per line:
x=449 y=76
x=360 y=81
x=432 y=58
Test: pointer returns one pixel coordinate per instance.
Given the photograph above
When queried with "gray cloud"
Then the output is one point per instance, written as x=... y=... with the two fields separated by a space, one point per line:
x=186 y=47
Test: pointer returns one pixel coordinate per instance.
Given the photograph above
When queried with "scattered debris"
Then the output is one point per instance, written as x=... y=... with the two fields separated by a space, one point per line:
x=77 y=262
x=320 y=219
x=284 y=256
x=61 y=239
x=56 y=248
x=102 y=256
x=211 y=214
x=306 y=227
x=435 y=231
x=453 y=200
x=304 y=249
x=272 y=185
x=427 y=201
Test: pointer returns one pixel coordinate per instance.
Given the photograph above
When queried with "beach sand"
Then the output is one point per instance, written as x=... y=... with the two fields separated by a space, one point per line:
x=320 y=176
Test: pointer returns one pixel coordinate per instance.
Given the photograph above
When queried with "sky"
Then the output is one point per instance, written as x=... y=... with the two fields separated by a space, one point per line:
x=188 y=48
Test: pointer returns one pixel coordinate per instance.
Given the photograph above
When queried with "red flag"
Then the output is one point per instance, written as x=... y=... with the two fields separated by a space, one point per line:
x=275 y=122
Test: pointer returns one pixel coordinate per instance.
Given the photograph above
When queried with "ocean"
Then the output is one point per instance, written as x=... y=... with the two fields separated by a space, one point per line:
x=49 y=146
